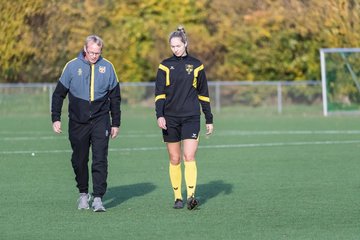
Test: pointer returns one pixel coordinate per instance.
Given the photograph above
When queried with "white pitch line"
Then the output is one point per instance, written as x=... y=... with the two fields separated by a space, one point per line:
x=290 y=132
x=279 y=144
x=66 y=137
x=245 y=145
x=217 y=133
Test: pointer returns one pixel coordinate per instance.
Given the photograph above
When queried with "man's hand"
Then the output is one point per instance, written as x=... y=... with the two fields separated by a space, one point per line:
x=57 y=127
x=114 y=132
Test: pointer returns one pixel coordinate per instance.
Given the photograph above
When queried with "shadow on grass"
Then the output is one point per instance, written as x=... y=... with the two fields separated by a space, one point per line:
x=117 y=195
x=212 y=189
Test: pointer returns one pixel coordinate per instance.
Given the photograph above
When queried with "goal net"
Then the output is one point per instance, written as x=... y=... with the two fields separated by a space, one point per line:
x=340 y=73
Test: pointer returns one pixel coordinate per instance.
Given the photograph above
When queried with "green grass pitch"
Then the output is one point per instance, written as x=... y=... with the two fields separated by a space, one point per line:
x=260 y=176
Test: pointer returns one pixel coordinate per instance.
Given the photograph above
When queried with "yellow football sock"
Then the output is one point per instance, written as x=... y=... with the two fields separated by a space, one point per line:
x=176 y=178
x=190 y=178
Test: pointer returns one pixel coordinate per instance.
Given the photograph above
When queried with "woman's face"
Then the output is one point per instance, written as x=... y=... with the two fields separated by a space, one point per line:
x=177 y=47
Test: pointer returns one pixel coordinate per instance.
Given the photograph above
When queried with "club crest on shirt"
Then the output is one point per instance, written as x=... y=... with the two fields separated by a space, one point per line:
x=102 y=69
x=189 y=68
x=79 y=72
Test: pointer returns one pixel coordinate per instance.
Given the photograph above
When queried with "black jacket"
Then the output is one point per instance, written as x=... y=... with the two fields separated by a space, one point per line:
x=93 y=91
x=181 y=87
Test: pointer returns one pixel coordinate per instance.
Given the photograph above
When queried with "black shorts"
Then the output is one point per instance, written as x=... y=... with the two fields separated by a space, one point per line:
x=180 y=128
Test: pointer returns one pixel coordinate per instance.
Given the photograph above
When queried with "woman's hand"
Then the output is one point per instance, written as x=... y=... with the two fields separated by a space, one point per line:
x=209 y=129
x=161 y=123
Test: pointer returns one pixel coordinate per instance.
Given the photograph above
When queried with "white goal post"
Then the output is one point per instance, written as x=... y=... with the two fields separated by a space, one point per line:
x=340 y=72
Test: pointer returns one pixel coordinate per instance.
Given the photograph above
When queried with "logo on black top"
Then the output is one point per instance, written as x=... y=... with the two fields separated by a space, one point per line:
x=189 y=68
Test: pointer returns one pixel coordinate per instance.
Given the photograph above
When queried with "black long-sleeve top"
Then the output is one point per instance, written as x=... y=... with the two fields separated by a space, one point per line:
x=181 y=87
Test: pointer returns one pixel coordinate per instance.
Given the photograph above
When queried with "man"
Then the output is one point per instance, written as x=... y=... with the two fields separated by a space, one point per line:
x=94 y=95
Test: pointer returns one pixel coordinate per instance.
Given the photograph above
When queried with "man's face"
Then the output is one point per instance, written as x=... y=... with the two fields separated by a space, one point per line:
x=92 y=52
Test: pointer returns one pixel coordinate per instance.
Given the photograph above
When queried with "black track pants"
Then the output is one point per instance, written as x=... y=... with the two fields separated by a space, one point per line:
x=82 y=136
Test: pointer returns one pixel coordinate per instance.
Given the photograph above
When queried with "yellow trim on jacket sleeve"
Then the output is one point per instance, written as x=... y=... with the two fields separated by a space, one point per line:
x=67 y=65
x=196 y=74
x=167 y=71
x=162 y=96
x=205 y=99
x=117 y=79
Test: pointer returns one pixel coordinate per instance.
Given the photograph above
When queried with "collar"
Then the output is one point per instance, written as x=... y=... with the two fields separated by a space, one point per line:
x=181 y=57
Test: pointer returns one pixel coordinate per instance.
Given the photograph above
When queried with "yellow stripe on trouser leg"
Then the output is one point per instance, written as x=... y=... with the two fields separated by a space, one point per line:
x=190 y=178
x=176 y=178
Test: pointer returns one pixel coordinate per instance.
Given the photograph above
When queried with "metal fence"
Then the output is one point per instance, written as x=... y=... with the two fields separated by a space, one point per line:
x=274 y=95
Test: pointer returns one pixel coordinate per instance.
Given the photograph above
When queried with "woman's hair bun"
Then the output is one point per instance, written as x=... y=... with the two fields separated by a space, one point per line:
x=181 y=28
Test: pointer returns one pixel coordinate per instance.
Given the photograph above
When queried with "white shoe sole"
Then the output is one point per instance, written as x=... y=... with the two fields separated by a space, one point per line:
x=99 y=210
x=83 y=208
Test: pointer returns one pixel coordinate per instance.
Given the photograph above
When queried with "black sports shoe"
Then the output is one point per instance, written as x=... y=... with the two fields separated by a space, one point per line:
x=192 y=203
x=178 y=204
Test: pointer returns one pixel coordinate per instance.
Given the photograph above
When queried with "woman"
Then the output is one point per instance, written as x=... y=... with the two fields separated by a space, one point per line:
x=181 y=87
